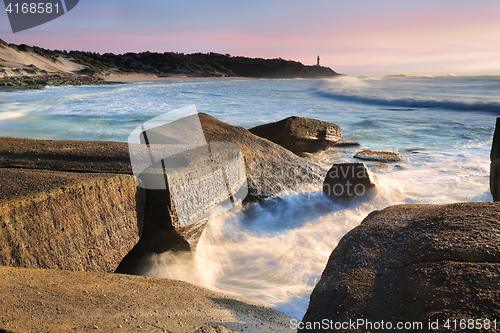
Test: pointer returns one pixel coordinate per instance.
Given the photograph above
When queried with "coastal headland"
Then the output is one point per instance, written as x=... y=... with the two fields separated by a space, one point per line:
x=24 y=66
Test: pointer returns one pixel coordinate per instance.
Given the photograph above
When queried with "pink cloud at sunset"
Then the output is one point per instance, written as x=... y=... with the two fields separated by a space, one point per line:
x=461 y=37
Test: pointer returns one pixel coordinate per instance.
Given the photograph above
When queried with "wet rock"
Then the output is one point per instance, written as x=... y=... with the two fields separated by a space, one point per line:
x=380 y=156
x=299 y=134
x=349 y=180
x=162 y=233
x=41 y=79
x=495 y=164
x=414 y=263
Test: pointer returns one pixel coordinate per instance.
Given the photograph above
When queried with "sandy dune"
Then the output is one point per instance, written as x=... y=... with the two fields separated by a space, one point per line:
x=19 y=63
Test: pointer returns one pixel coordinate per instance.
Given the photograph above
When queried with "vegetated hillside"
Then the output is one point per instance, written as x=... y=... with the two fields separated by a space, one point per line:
x=196 y=64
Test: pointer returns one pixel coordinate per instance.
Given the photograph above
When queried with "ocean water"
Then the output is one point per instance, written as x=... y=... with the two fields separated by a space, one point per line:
x=274 y=252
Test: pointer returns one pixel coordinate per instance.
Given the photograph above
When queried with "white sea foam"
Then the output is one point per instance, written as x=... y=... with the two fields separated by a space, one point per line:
x=6 y=115
x=274 y=252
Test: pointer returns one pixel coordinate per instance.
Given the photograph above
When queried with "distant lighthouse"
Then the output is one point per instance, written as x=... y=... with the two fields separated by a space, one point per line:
x=317 y=63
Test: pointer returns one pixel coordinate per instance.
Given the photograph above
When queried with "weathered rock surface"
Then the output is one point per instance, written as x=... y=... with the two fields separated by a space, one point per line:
x=271 y=169
x=380 y=156
x=299 y=134
x=495 y=164
x=348 y=181
x=67 y=204
x=65 y=220
x=213 y=329
x=40 y=300
x=414 y=263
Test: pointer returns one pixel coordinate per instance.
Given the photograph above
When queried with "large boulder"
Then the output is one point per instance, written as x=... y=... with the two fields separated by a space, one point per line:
x=495 y=179
x=413 y=264
x=495 y=164
x=271 y=169
x=347 y=181
x=495 y=147
x=299 y=134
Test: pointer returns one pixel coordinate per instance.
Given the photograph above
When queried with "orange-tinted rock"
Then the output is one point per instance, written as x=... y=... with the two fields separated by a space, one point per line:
x=346 y=144
x=414 y=263
x=380 y=156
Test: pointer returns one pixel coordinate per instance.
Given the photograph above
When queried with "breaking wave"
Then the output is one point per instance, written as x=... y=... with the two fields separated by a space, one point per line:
x=450 y=93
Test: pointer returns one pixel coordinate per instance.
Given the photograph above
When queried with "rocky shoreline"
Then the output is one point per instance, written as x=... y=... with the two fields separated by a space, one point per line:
x=70 y=206
x=423 y=267
x=74 y=206
x=43 y=80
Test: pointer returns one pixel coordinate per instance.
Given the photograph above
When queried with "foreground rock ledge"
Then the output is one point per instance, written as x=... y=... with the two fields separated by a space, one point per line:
x=39 y=300
x=414 y=263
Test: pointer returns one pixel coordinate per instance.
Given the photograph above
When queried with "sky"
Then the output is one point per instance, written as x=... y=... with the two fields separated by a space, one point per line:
x=355 y=37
